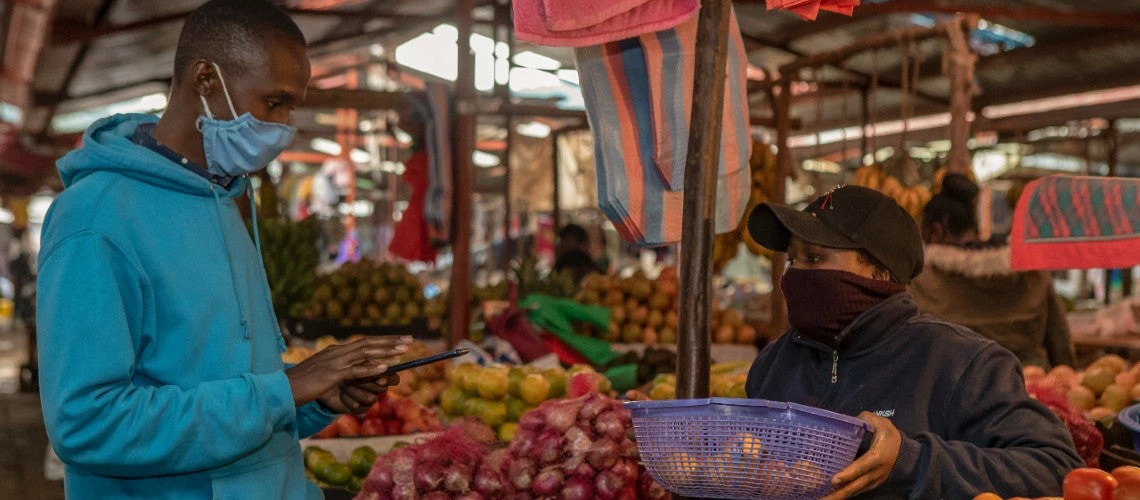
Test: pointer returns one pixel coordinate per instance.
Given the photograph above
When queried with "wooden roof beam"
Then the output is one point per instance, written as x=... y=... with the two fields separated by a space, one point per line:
x=864 y=78
x=1052 y=16
x=67 y=31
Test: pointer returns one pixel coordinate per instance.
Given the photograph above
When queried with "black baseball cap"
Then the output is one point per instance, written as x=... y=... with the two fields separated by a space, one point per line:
x=850 y=217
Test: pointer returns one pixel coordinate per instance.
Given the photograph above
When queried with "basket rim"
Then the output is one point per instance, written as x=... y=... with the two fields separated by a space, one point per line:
x=754 y=403
x=1130 y=418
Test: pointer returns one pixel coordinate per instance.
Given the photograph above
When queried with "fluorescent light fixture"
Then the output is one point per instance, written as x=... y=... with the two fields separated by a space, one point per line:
x=484 y=159
x=528 y=59
x=10 y=113
x=568 y=75
x=326 y=146
x=529 y=80
x=1093 y=98
x=537 y=130
x=359 y=156
x=80 y=120
x=6 y=216
x=821 y=166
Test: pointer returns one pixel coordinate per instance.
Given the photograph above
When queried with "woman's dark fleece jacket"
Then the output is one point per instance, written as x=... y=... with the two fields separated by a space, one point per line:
x=957 y=398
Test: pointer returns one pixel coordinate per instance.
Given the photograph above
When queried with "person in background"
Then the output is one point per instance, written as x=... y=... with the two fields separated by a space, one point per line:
x=969 y=282
x=949 y=409
x=573 y=252
x=160 y=355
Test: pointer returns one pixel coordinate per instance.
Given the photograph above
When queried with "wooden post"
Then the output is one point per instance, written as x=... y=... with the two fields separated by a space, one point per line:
x=556 y=211
x=864 y=137
x=503 y=93
x=698 y=223
x=962 y=61
x=465 y=105
x=783 y=110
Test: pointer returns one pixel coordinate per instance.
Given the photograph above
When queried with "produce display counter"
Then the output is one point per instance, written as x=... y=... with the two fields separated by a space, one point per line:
x=342 y=448
x=721 y=353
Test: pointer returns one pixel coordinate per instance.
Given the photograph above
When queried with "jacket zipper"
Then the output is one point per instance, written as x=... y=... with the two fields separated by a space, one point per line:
x=835 y=366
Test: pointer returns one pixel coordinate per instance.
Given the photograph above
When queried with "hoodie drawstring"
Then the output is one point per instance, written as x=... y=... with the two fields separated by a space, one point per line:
x=253 y=213
x=229 y=261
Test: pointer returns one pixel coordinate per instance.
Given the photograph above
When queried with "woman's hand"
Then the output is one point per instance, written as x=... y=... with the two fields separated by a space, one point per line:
x=873 y=468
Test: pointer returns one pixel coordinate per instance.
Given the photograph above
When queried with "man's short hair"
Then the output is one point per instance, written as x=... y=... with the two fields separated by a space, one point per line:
x=231 y=32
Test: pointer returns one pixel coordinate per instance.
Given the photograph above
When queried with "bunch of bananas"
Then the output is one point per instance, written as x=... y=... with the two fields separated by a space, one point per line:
x=913 y=199
x=290 y=252
x=727 y=245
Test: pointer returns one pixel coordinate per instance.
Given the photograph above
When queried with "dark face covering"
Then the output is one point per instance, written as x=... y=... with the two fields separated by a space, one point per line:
x=823 y=302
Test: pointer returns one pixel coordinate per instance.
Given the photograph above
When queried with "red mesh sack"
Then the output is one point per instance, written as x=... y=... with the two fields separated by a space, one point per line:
x=1089 y=441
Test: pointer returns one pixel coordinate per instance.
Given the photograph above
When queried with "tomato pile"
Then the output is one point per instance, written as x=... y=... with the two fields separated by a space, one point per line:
x=1093 y=484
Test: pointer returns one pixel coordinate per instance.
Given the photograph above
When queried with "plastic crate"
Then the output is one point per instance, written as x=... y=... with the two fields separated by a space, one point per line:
x=744 y=448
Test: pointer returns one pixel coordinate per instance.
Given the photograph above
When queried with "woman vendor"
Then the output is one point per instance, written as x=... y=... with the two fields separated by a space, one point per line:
x=949 y=409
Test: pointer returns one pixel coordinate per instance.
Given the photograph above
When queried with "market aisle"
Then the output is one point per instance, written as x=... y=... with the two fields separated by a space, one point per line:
x=13 y=353
x=24 y=441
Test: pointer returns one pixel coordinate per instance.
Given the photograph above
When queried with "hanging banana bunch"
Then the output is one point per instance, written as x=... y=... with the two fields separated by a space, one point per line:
x=763 y=164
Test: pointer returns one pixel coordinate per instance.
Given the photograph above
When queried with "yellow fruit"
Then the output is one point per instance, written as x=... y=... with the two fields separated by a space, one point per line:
x=558 y=380
x=1116 y=397
x=534 y=389
x=1082 y=397
x=682 y=469
x=737 y=391
x=494 y=413
x=1098 y=378
x=507 y=431
x=775 y=479
x=811 y=476
x=494 y=385
x=746 y=445
x=662 y=391
x=1114 y=362
x=452 y=401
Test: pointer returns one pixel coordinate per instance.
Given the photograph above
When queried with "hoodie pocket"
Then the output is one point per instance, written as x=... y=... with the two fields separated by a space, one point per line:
x=272 y=478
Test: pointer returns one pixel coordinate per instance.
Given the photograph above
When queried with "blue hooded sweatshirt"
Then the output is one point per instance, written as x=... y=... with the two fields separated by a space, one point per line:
x=160 y=356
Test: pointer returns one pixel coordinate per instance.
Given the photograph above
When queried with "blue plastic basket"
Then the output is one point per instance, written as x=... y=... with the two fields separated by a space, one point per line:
x=1130 y=419
x=744 y=448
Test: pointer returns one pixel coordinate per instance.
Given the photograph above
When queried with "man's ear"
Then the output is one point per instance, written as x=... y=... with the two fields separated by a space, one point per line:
x=204 y=78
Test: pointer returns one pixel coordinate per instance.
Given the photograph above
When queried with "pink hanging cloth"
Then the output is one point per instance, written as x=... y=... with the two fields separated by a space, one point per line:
x=581 y=23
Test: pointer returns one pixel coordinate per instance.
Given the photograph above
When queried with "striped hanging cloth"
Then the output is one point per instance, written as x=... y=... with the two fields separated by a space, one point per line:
x=1064 y=222
x=638 y=94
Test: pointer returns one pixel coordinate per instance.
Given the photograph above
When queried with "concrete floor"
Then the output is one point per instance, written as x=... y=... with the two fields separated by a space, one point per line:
x=23 y=443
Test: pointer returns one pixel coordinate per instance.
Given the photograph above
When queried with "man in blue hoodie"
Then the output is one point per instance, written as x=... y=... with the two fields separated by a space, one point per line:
x=161 y=372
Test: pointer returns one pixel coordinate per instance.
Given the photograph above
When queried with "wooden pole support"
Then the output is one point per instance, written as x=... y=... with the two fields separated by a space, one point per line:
x=783 y=110
x=460 y=309
x=962 y=61
x=556 y=211
x=698 y=220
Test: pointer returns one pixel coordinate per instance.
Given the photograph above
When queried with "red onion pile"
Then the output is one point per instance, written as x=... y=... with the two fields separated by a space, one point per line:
x=569 y=449
x=577 y=449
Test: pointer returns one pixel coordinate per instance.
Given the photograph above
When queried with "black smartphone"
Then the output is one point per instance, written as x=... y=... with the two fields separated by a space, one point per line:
x=427 y=360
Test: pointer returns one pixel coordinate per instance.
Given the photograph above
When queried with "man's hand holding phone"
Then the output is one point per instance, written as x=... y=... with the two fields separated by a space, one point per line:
x=346 y=378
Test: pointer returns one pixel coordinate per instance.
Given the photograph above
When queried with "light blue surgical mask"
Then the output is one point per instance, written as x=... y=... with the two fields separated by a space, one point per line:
x=243 y=145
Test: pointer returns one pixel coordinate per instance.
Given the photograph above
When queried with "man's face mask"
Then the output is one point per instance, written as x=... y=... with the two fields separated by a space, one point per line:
x=243 y=145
